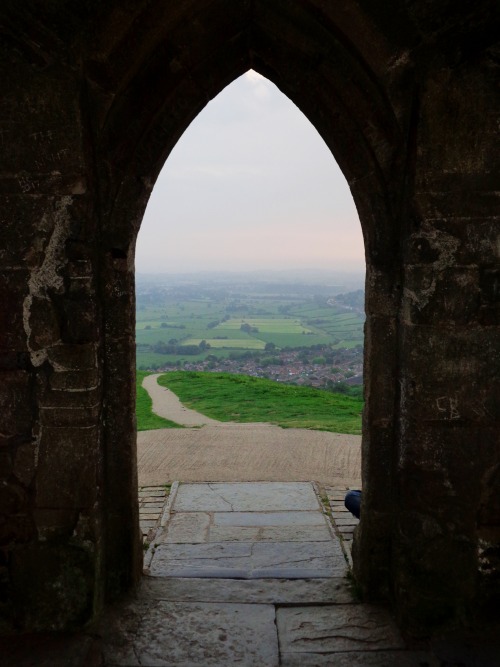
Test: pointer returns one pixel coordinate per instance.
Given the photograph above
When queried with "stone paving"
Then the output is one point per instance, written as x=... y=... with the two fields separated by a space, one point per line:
x=251 y=574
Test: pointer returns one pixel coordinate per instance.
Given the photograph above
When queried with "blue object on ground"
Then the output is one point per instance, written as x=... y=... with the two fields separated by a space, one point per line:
x=352 y=501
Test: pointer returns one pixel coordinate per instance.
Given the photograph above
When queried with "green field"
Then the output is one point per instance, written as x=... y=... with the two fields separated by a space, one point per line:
x=268 y=325
x=241 y=398
x=233 y=343
x=179 y=314
x=338 y=330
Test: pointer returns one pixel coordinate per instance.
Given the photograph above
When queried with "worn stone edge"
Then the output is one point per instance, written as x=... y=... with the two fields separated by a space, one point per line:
x=148 y=556
x=168 y=505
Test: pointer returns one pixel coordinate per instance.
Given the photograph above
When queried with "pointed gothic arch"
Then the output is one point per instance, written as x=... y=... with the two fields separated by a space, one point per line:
x=95 y=97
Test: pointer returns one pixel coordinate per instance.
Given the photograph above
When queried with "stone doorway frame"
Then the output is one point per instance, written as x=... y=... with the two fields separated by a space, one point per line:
x=405 y=96
x=366 y=137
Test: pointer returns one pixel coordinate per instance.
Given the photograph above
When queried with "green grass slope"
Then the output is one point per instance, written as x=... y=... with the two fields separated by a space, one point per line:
x=241 y=398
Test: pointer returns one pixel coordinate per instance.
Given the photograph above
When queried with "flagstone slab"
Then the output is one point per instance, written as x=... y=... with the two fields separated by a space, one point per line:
x=295 y=518
x=334 y=590
x=178 y=634
x=336 y=628
x=245 y=496
x=187 y=527
x=249 y=560
x=307 y=526
x=197 y=527
x=269 y=534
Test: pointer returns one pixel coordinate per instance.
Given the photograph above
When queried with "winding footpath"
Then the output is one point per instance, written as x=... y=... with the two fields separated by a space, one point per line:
x=208 y=450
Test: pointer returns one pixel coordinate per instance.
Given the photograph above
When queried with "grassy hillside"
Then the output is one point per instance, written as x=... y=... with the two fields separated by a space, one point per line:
x=241 y=398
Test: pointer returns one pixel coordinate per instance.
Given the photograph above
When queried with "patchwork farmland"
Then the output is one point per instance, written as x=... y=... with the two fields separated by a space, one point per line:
x=207 y=322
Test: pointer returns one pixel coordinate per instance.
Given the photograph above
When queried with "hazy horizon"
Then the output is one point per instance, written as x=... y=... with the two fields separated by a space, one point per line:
x=348 y=280
x=272 y=271
x=250 y=186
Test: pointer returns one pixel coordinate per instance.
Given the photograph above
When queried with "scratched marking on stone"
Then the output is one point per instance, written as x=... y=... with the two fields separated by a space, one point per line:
x=448 y=406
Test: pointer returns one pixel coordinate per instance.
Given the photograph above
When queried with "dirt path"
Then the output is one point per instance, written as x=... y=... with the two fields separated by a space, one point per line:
x=167 y=405
x=215 y=451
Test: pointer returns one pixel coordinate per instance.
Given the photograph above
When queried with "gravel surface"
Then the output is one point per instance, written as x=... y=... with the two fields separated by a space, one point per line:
x=226 y=451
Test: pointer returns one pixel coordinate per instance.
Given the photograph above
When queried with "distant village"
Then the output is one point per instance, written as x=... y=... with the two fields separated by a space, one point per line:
x=322 y=367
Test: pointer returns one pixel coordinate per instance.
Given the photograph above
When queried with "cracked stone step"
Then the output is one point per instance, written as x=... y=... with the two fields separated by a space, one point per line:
x=334 y=590
x=289 y=560
x=196 y=527
x=246 y=496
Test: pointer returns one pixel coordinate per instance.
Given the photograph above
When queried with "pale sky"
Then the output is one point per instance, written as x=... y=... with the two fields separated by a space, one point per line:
x=250 y=185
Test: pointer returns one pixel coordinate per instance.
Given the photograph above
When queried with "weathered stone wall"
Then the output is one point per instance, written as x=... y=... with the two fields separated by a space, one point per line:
x=449 y=380
x=94 y=99
x=438 y=492
x=56 y=494
x=51 y=383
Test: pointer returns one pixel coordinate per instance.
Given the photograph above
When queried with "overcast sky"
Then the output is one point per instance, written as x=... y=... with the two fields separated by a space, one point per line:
x=250 y=185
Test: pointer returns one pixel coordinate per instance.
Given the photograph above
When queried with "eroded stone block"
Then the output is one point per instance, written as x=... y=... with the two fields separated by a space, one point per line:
x=176 y=634
x=67 y=467
x=334 y=590
x=360 y=659
x=336 y=628
x=52 y=585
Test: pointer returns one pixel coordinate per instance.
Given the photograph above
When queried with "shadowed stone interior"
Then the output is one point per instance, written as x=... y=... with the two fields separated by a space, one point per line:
x=94 y=97
x=286 y=608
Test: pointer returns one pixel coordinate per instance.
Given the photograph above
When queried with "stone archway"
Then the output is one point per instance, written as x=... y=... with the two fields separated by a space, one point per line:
x=355 y=120
x=95 y=100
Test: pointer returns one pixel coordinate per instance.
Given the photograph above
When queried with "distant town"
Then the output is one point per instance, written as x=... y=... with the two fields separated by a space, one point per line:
x=295 y=367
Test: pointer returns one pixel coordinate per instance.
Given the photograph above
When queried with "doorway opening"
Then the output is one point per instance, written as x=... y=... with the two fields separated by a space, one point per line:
x=250 y=262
